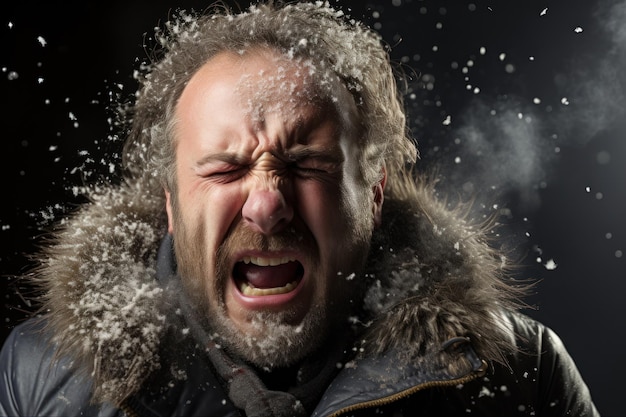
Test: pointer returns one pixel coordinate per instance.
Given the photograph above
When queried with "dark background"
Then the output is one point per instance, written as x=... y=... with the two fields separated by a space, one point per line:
x=519 y=102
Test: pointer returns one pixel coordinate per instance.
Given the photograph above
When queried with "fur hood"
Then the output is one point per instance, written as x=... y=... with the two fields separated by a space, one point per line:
x=432 y=277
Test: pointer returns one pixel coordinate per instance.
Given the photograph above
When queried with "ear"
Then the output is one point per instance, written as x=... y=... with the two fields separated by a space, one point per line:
x=379 y=196
x=168 y=209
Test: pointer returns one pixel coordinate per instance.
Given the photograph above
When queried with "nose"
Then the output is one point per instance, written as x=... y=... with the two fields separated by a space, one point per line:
x=267 y=211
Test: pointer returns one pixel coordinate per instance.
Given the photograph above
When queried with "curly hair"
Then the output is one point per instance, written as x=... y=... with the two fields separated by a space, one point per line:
x=316 y=32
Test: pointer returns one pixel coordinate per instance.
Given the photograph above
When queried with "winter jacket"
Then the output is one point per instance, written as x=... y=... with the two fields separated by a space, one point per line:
x=442 y=336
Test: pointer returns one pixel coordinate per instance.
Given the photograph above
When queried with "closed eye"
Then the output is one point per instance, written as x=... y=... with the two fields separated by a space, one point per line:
x=313 y=167
x=225 y=175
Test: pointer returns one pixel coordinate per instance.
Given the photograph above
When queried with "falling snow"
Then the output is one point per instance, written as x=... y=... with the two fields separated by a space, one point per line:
x=525 y=139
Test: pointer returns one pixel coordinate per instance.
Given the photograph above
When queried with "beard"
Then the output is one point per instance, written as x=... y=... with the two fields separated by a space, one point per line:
x=276 y=338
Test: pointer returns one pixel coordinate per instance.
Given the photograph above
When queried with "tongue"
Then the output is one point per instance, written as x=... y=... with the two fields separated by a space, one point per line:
x=268 y=276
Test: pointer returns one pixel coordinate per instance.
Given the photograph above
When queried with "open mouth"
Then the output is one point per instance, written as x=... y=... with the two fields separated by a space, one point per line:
x=262 y=276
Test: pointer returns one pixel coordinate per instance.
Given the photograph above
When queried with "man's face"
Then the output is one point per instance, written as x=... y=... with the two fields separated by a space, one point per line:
x=271 y=217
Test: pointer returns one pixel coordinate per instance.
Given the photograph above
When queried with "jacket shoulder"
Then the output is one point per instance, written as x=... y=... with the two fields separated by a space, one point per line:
x=542 y=363
x=538 y=378
x=37 y=382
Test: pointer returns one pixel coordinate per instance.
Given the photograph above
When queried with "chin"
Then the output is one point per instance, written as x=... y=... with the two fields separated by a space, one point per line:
x=269 y=341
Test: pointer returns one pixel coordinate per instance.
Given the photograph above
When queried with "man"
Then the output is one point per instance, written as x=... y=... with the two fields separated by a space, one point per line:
x=303 y=270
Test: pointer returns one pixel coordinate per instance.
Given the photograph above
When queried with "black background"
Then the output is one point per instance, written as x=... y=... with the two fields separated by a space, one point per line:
x=533 y=124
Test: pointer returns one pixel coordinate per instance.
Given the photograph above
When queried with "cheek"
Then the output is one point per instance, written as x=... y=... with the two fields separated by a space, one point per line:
x=216 y=209
x=326 y=210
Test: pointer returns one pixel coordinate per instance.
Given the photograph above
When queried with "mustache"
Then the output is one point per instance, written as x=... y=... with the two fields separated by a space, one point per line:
x=242 y=236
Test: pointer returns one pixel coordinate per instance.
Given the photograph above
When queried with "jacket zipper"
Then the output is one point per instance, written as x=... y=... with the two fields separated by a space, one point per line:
x=408 y=392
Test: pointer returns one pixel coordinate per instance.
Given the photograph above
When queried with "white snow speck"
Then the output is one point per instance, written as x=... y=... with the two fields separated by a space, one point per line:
x=578 y=29
x=550 y=265
x=485 y=392
x=41 y=41
x=543 y=12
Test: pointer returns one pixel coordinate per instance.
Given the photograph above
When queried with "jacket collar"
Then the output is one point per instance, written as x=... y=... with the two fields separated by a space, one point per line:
x=432 y=277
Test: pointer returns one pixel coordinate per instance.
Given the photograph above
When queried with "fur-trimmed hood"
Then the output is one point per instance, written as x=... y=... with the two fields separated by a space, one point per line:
x=433 y=277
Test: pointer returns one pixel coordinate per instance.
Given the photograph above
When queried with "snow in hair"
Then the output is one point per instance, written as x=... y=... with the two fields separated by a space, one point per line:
x=336 y=46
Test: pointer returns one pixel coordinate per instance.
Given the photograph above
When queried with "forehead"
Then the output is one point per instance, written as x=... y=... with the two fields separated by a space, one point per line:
x=270 y=82
x=263 y=81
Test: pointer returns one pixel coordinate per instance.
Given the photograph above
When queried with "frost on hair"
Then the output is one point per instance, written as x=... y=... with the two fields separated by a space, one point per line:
x=333 y=46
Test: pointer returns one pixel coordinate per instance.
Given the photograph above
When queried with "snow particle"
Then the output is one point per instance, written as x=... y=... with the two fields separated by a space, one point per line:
x=603 y=157
x=578 y=29
x=550 y=265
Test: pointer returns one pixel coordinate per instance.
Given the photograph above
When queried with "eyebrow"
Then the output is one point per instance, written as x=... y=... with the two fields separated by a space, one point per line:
x=324 y=155
x=228 y=157
x=289 y=156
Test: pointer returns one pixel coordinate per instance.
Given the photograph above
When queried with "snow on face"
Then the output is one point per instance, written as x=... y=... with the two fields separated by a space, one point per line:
x=265 y=172
x=282 y=90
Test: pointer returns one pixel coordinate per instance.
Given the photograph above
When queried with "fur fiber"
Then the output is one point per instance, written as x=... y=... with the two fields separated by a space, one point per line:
x=432 y=276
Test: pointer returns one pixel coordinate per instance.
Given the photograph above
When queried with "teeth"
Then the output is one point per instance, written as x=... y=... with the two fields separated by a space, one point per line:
x=249 y=290
x=266 y=261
